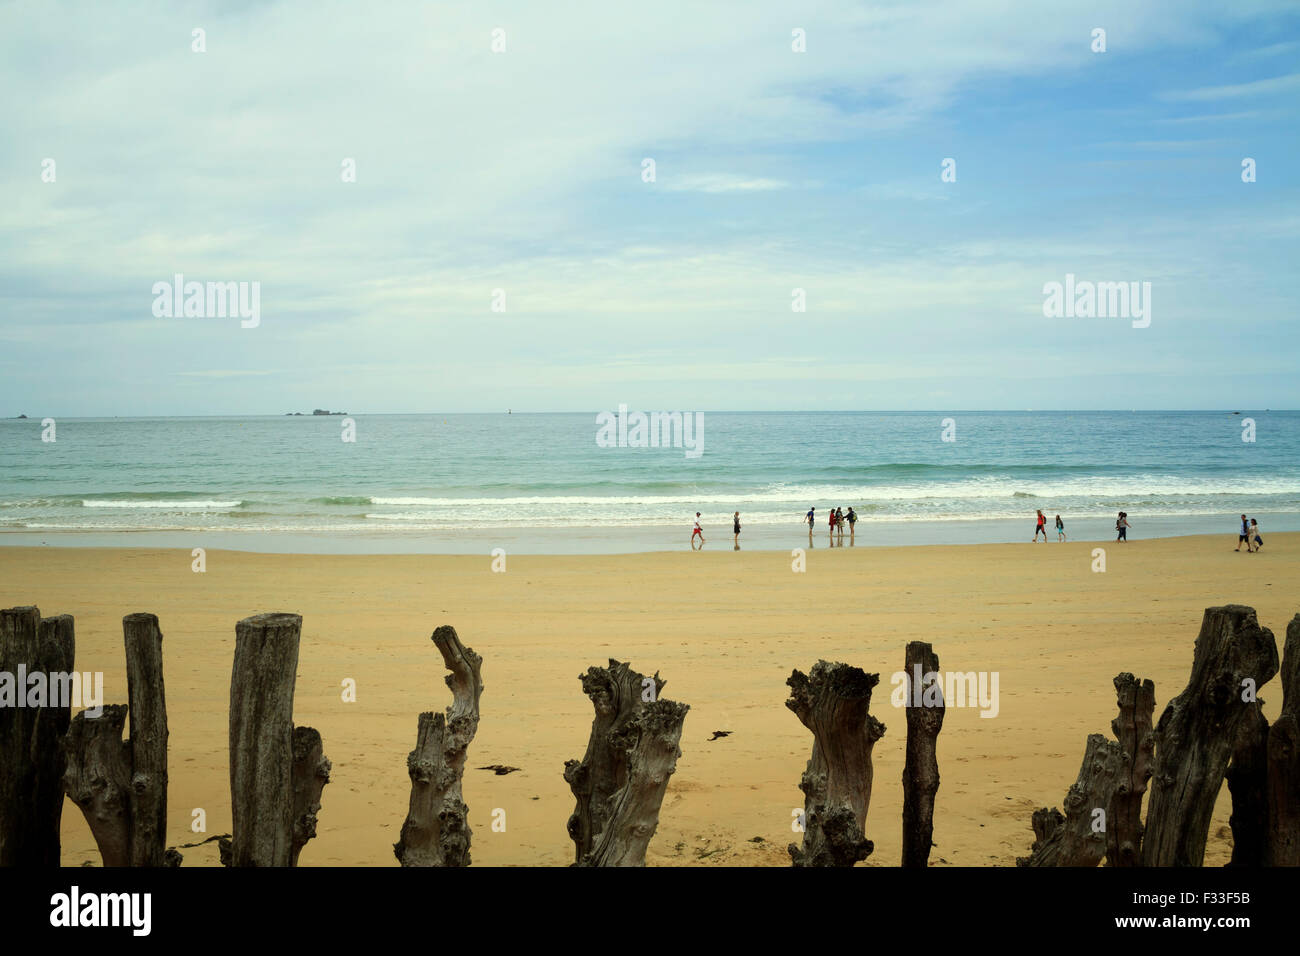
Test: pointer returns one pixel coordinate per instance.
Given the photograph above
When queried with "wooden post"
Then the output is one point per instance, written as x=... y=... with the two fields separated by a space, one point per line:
x=436 y=831
x=1078 y=837
x=31 y=784
x=121 y=787
x=261 y=739
x=1247 y=777
x=98 y=780
x=1282 y=847
x=1199 y=730
x=1136 y=701
x=833 y=703
x=147 y=705
x=620 y=783
x=311 y=771
x=921 y=766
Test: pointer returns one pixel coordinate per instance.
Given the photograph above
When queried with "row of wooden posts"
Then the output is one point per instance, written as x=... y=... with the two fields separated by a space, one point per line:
x=1214 y=730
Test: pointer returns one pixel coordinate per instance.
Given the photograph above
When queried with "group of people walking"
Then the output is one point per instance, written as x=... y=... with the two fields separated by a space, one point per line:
x=835 y=523
x=1249 y=535
x=698 y=532
x=1040 y=527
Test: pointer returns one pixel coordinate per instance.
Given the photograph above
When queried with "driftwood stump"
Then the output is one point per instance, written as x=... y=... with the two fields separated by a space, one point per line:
x=1136 y=701
x=619 y=784
x=921 y=766
x=833 y=703
x=1282 y=846
x=1200 y=729
x=1247 y=777
x=31 y=755
x=311 y=771
x=121 y=786
x=274 y=789
x=436 y=831
x=1078 y=837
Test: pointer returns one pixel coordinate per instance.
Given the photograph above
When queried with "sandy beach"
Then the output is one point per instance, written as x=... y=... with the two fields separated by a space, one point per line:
x=723 y=628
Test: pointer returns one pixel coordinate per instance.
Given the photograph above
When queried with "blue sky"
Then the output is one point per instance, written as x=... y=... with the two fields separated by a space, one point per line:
x=522 y=170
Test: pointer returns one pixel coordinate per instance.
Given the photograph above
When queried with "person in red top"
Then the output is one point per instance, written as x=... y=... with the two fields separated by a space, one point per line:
x=1042 y=527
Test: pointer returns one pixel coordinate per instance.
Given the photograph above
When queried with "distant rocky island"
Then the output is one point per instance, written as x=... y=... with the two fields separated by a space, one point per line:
x=317 y=411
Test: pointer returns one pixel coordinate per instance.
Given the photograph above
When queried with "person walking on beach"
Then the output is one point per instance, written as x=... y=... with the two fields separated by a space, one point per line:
x=810 y=517
x=698 y=532
x=852 y=516
x=1243 y=534
x=839 y=522
x=1060 y=530
x=1041 y=527
x=1254 y=533
x=735 y=529
x=1122 y=526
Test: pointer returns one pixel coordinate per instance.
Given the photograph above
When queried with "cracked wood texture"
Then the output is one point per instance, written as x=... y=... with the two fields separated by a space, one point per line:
x=261 y=739
x=311 y=771
x=1136 y=700
x=619 y=784
x=1282 y=846
x=833 y=703
x=1070 y=839
x=436 y=831
x=921 y=765
x=1200 y=729
x=147 y=709
x=31 y=752
x=121 y=785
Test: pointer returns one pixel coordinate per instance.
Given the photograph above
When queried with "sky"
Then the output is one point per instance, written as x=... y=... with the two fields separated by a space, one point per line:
x=517 y=176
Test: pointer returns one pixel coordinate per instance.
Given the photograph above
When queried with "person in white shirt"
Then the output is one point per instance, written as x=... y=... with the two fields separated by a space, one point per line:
x=697 y=532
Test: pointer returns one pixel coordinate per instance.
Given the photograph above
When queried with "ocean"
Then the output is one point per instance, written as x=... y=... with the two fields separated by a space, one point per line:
x=541 y=483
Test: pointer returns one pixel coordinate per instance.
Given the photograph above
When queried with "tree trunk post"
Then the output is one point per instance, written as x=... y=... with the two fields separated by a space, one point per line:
x=1247 y=777
x=31 y=784
x=1200 y=729
x=620 y=782
x=311 y=771
x=833 y=703
x=98 y=780
x=1283 y=842
x=261 y=739
x=1078 y=837
x=921 y=766
x=436 y=831
x=1132 y=728
x=147 y=707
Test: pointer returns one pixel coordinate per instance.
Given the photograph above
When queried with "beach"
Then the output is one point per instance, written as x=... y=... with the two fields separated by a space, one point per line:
x=723 y=628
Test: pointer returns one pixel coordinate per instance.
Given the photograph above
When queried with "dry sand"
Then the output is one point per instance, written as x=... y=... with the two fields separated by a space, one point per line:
x=723 y=628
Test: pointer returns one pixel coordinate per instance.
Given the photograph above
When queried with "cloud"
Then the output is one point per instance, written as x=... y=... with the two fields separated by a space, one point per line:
x=1255 y=88
x=722 y=183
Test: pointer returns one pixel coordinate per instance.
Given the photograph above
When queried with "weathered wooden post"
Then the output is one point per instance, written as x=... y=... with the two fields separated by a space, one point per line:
x=436 y=831
x=147 y=708
x=620 y=782
x=1247 y=778
x=1282 y=847
x=121 y=786
x=1078 y=837
x=833 y=703
x=1132 y=728
x=263 y=804
x=925 y=710
x=31 y=782
x=1199 y=730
